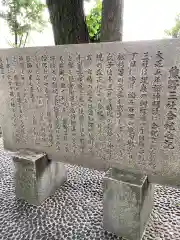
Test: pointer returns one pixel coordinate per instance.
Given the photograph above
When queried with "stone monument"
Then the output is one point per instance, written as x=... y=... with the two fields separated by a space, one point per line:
x=106 y=105
x=97 y=105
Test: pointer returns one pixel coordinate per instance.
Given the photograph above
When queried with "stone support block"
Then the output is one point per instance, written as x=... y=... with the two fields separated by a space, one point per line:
x=36 y=177
x=127 y=203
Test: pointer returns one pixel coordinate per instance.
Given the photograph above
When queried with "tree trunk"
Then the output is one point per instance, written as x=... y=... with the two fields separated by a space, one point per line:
x=15 y=39
x=68 y=21
x=112 y=20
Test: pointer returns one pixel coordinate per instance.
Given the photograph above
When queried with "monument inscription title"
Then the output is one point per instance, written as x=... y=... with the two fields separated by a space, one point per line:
x=97 y=105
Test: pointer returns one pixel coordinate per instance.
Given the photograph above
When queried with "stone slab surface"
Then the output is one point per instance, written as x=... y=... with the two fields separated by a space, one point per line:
x=28 y=156
x=126 y=205
x=36 y=177
x=75 y=211
x=96 y=105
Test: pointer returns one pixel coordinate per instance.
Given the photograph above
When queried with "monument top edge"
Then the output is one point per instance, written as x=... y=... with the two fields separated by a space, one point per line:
x=146 y=42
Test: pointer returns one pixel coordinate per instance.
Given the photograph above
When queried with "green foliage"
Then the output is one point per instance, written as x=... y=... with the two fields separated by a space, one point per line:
x=93 y=21
x=22 y=17
x=175 y=31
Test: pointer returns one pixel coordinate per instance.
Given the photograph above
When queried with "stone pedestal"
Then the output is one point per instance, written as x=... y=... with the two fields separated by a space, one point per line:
x=36 y=177
x=127 y=203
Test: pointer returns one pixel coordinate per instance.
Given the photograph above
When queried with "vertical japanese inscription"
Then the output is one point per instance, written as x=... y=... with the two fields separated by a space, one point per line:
x=171 y=106
x=72 y=98
x=19 y=82
x=30 y=77
x=120 y=86
x=120 y=93
x=41 y=133
x=81 y=113
x=40 y=100
x=64 y=104
x=51 y=89
x=131 y=104
x=19 y=130
x=143 y=106
x=57 y=103
x=100 y=108
x=91 y=123
x=156 y=89
x=38 y=79
x=99 y=79
x=29 y=96
x=12 y=97
x=109 y=107
x=47 y=116
x=1 y=69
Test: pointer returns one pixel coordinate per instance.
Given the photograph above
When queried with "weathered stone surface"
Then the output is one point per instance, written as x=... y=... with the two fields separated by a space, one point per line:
x=96 y=105
x=36 y=177
x=127 y=203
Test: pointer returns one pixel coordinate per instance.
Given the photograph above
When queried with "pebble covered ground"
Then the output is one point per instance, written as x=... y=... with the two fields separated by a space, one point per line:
x=74 y=212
